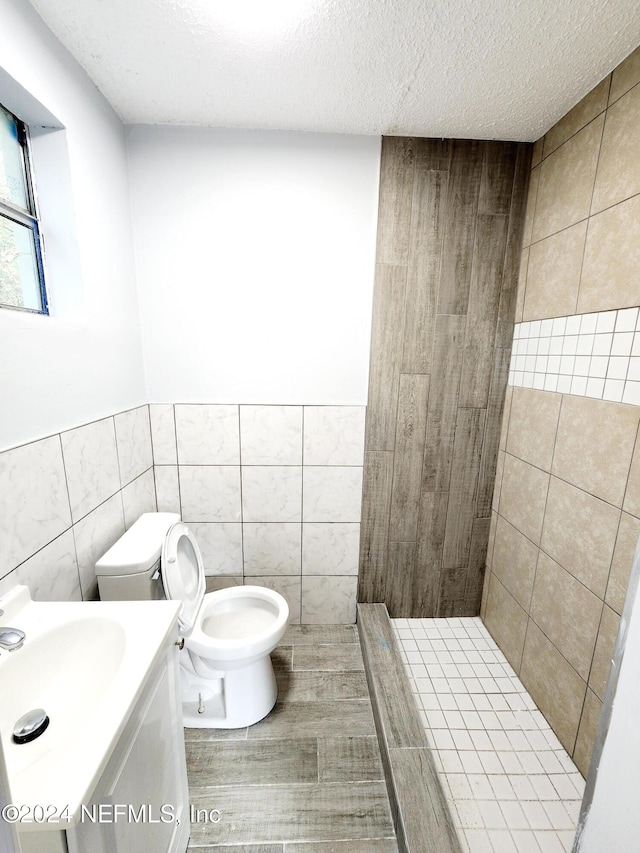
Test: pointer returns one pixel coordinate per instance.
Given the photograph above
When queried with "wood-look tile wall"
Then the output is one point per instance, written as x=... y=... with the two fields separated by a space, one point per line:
x=450 y=226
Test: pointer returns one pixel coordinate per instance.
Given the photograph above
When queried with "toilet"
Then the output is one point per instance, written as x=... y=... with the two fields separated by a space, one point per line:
x=225 y=665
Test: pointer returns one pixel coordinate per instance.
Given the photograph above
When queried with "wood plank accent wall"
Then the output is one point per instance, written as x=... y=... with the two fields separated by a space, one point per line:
x=449 y=236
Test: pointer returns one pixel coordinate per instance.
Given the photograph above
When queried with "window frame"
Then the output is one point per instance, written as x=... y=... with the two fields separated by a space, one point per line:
x=29 y=218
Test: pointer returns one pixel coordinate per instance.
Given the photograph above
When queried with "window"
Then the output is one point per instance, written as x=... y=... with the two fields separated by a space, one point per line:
x=21 y=269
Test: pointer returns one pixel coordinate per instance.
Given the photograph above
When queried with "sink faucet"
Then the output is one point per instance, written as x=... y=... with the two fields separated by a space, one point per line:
x=11 y=638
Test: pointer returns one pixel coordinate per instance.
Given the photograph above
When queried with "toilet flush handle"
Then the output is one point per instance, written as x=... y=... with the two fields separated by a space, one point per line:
x=180 y=643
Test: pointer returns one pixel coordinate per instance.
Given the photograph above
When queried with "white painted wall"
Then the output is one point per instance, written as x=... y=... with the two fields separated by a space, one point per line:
x=255 y=258
x=85 y=360
x=613 y=821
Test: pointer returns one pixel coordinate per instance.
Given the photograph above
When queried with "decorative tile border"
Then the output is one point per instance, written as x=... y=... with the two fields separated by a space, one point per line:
x=589 y=355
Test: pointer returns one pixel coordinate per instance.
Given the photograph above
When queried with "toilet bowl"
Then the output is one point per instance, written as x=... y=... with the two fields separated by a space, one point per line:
x=225 y=665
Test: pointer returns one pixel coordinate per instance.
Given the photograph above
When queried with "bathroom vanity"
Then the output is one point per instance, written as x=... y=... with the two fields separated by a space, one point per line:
x=109 y=772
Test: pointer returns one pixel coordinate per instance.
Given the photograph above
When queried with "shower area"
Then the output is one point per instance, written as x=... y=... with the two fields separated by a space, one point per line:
x=501 y=500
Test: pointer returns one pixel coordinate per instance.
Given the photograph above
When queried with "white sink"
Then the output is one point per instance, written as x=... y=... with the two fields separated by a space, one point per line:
x=85 y=664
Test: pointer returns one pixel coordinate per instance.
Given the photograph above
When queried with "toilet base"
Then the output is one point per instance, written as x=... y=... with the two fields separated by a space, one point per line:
x=233 y=699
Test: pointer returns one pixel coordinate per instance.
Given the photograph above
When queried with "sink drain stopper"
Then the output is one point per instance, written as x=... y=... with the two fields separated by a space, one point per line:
x=30 y=726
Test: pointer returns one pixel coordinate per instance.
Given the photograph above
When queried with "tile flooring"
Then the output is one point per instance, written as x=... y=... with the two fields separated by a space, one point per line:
x=306 y=779
x=511 y=786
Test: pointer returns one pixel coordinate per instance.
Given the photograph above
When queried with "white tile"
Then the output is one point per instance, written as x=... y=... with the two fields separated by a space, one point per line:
x=271 y=493
x=546 y=328
x=549 y=841
x=579 y=385
x=551 y=382
x=271 y=435
x=613 y=390
x=634 y=369
x=210 y=492
x=34 y=505
x=167 y=488
x=272 y=548
x=525 y=841
x=567 y=363
x=133 y=440
x=564 y=384
x=334 y=435
x=631 y=393
x=588 y=323
x=492 y=816
x=52 y=573
x=581 y=367
x=91 y=465
x=207 y=434
x=602 y=344
x=287 y=586
x=573 y=324
x=534 y=328
x=451 y=761
x=598 y=366
x=163 y=434
x=606 y=321
x=332 y=494
x=502 y=842
x=558 y=815
x=469 y=814
x=542 y=786
x=626 y=319
x=553 y=364
x=514 y=816
x=502 y=787
x=543 y=346
x=622 y=343
x=329 y=600
x=538 y=381
x=480 y=786
x=220 y=544
x=536 y=816
x=618 y=367
x=330 y=549
x=570 y=345
x=94 y=535
x=139 y=497
x=478 y=841
x=635 y=349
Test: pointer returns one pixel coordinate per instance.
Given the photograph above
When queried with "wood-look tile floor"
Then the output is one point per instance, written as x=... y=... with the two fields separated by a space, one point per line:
x=306 y=779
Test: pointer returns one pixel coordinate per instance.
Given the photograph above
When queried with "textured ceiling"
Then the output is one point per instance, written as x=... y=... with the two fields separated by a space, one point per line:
x=505 y=69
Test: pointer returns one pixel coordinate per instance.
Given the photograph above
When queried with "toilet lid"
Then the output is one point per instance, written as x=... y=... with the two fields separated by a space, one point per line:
x=182 y=574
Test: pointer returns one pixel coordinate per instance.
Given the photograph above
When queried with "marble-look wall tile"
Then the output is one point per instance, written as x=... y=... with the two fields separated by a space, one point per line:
x=271 y=435
x=334 y=435
x=133 y=438
x=91 y=465
x=34 y=504
x=288 y=587
x=210 y=492
x=163 y=434
x=94 y=535
x=271 y=493
x=330 y=549
x=272 y=548
x=52 y=573
x=221 y=547
x=332 y=494
x=207 y=434
x=139 y=497
x=167 y=488
x=328 y=600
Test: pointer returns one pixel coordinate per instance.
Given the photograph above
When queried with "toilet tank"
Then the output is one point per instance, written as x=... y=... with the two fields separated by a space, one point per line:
x=130 y=569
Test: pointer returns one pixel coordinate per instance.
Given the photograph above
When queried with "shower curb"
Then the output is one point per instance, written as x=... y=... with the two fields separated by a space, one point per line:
x=419 y=808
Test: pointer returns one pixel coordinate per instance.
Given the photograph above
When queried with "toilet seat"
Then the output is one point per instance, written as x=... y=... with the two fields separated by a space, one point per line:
x=182 y=575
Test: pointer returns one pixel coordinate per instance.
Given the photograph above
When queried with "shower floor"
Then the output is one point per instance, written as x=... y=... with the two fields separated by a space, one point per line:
x=510 y=785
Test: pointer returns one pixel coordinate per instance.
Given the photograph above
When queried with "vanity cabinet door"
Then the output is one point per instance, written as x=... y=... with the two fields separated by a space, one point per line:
x=141 y=802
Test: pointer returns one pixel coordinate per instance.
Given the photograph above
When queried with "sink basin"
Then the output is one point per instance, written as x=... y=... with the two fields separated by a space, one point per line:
x=66 y=670
x=85 y=664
